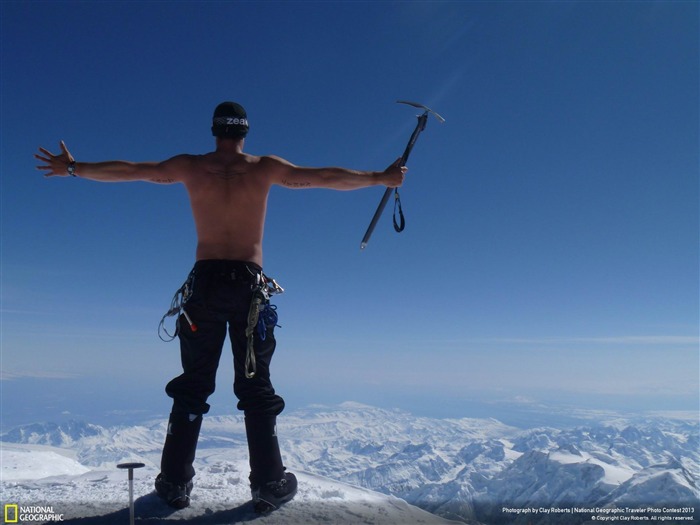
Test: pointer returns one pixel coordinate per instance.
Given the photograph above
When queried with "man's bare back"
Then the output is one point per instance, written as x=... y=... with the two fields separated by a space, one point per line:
x=228 y=189
x=228 y=195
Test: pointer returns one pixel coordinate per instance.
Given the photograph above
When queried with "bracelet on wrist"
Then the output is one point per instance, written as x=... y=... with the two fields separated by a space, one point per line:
x=71 y=168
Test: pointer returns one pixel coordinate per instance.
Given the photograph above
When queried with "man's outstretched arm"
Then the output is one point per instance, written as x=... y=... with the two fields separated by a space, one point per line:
x=63 y=164
x=287 y=174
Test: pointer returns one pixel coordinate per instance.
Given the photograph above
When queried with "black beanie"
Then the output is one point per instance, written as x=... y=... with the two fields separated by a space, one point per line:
x=230 y=120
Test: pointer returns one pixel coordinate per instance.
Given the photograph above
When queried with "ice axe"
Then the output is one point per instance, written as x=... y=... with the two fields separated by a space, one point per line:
x=399 y=226
x=131 y=467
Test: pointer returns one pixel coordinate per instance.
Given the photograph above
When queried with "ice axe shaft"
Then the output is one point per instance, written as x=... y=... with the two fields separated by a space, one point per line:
x=131 y=467
x=420 y=126
x=387 y=193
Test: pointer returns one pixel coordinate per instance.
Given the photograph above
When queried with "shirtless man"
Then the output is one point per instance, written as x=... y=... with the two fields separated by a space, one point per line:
x=228 y=191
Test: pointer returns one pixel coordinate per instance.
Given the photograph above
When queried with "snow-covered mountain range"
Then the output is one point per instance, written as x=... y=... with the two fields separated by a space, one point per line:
x=470 y=470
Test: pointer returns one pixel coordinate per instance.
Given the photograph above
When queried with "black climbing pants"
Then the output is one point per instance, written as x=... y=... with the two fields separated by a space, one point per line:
x=219 y=305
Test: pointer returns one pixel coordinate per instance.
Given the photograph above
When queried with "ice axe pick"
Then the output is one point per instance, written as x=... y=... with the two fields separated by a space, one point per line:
x=420 y=126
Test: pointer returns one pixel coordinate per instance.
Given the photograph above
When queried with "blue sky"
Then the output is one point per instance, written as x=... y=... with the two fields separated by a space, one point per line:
x=551 y=246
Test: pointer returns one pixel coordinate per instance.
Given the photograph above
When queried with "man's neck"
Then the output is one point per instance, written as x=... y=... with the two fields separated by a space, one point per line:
x=227 y=145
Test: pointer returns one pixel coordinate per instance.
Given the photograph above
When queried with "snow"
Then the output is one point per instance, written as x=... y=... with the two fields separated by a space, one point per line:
x=26 y=462
x=221 y=494
x=613 y=474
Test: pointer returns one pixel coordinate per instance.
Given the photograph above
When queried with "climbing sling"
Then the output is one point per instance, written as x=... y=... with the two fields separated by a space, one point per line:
x=261 y=315
x=177 y=304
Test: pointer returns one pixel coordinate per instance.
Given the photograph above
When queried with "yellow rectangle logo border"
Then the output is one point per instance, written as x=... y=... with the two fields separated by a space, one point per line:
x=14 y=506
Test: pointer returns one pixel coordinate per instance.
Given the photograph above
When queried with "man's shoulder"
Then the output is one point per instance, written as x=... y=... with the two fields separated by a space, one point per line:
x=274 y=160
x=182 y=159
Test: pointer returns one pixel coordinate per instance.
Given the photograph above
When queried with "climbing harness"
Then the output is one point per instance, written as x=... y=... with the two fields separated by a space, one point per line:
x=261 y=315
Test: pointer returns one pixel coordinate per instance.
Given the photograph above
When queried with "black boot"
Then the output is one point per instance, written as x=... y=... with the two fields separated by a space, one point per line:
x=270 y=485
x=271 y=495
x=264 y=450
x=178 y=456
x=177 y=495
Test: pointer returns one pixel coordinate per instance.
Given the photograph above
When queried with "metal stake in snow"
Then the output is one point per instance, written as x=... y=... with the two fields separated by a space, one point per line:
x=422 y=120
x=131 y=467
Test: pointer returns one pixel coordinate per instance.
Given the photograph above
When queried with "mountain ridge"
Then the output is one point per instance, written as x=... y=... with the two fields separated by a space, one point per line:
x=466 y=469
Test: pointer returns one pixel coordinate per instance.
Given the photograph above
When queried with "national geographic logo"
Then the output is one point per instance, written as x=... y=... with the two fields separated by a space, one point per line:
x=15 y=513
x=11 y=513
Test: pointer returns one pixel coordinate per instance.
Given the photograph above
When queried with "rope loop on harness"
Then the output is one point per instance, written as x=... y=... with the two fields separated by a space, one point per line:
x=268 y=317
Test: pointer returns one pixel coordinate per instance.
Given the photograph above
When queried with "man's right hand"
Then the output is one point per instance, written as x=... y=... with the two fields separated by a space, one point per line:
x=395 y=174
x=55 y=164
